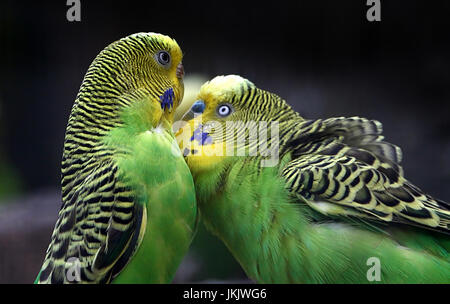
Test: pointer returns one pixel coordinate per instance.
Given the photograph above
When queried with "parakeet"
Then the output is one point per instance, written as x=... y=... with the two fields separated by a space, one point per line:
x=129 y=209
x=201 y=261
x=309 y=201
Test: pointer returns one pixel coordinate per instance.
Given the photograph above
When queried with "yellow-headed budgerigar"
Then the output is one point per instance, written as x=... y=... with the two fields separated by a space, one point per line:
x=129 y=209
x=309 y=201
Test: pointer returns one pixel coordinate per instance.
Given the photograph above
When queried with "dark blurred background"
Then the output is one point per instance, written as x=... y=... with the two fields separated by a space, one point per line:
x=324 y=57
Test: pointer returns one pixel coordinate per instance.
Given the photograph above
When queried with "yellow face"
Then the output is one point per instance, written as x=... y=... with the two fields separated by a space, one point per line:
x=148 y=64
x=201 y=136
x=164 y=62
x=200 y=151
x=168 y=57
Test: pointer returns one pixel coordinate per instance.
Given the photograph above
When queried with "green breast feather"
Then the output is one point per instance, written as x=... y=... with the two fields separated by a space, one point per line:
x=164 y=186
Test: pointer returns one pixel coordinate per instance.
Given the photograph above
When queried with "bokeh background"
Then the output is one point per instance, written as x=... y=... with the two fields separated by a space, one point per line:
x=324 y=57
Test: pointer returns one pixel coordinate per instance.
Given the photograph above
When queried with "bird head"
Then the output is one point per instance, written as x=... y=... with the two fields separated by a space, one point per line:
x=226 y=121
x=144 y=68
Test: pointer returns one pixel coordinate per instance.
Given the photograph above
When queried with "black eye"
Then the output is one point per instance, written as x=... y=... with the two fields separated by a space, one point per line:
x=163 y=58
x=224 y=110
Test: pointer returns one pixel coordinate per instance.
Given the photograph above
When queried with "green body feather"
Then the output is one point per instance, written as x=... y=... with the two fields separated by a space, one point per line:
x=336 y=198
x=156 y=167
x=277 y=240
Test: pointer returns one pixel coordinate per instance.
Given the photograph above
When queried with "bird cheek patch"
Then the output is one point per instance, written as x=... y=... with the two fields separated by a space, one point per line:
x=201 y=137
x=166 y=99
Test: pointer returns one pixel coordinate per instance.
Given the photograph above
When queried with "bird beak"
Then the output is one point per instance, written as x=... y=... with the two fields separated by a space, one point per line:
x=188 y=115
x=180 y=71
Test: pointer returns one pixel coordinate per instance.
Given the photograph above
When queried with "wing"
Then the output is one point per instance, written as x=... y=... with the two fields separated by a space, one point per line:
x=342 y=167
x=98 y=228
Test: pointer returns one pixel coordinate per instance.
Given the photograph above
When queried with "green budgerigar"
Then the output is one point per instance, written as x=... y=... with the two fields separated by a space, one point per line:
x=129 y=210
x=309 y=201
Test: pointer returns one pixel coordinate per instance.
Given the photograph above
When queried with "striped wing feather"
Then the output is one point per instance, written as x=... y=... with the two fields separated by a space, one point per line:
x=98 y=224
x=342 y=167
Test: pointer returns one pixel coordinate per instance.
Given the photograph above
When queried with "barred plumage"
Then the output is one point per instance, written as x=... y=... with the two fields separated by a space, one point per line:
x=345 y=161
x=102 y=219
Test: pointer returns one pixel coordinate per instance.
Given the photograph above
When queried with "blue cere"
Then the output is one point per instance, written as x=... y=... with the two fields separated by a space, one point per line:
x=167 y=99
x=198 y=107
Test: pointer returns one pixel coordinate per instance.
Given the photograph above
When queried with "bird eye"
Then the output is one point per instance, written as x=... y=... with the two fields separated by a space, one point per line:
x=163 y=58
x=224 y=110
